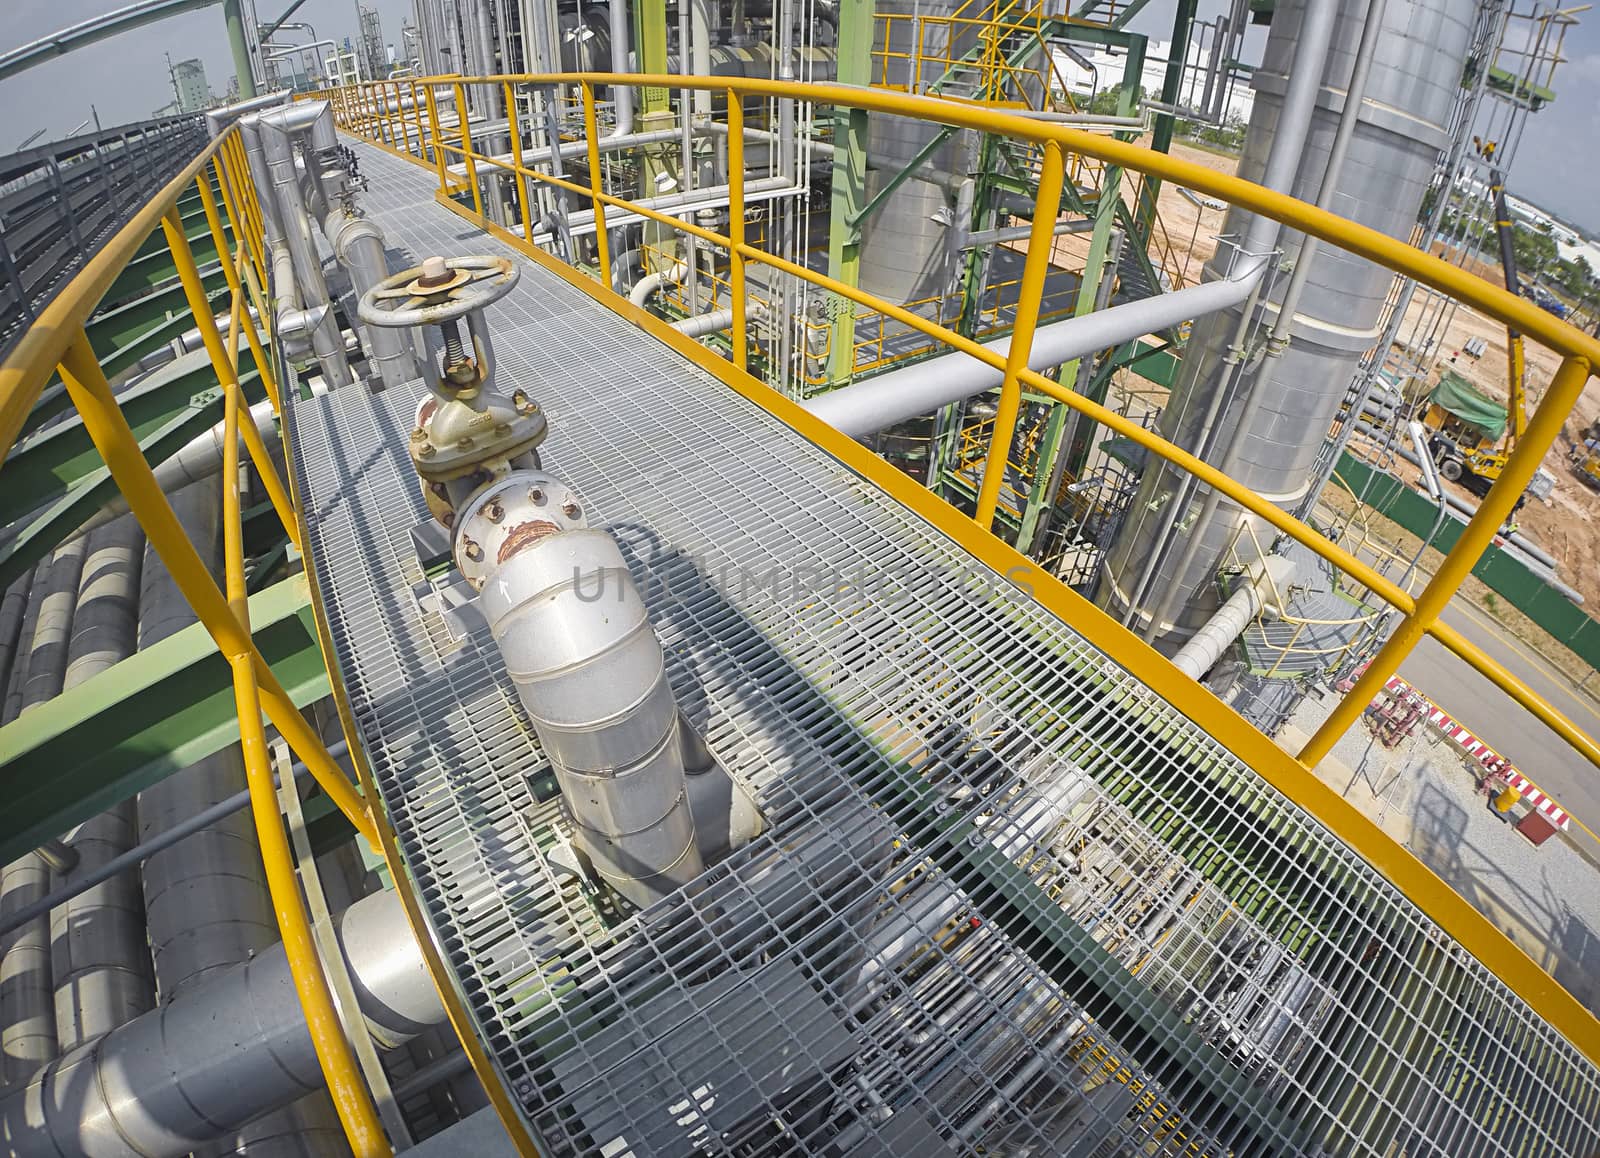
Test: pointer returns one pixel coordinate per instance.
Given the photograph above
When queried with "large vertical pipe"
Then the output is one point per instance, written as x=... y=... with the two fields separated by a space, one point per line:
x=1416 y=73
x=99 y=960
x=206 y=900
x=238 y=43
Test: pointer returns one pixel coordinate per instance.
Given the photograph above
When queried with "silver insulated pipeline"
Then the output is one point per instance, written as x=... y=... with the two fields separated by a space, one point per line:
x=577 y=642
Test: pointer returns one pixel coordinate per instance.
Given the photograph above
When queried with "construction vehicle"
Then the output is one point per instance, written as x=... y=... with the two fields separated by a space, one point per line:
x=1463 y=454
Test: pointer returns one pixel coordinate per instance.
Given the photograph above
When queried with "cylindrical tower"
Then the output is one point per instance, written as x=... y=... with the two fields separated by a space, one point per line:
x=1403 y=126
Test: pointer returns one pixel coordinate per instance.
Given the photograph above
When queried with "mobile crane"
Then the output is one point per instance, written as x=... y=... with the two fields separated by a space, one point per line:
x=1480 y=461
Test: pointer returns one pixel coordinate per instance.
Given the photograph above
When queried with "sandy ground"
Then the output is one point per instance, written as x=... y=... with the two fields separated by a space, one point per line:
x=1568 y=523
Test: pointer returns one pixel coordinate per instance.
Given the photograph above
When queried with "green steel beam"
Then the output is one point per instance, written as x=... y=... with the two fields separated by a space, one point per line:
x=1171 y=89
x=159 y=333
x=899 y=179
x=55 y=462
x=143 y=274
x=855 y=31
x=156 y=712
x=95 y=489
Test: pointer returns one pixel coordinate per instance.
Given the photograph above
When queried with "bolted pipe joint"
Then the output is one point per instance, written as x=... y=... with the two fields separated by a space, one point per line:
x=577 y=642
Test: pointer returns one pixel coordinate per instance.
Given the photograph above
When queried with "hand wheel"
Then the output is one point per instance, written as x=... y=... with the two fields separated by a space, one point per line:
x=439 y=290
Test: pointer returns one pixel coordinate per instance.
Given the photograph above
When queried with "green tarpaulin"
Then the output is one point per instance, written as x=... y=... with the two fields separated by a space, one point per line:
x=1473 y=407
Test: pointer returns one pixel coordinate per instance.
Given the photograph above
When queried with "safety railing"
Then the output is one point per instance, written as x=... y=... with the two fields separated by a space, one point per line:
x=58 y=342
x=1420 y=615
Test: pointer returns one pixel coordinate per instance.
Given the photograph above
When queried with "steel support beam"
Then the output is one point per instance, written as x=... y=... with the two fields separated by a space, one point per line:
x=849 y=186
x=139 y=721
x=63 y=458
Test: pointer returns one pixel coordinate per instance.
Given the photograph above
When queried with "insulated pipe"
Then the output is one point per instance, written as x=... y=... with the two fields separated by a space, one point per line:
x=570 y=150
x=716 y=321
x=622 y=94
x=1282 y=167
x=207 y=907
x=261 y=177
x=27 y=997
x=1516 y=538
x=358 y=244
x=886 y=399
x=83 y=882
x=651 y=283
x=577 y=642
x=285 y=187
x=1206 y=646
x=1278 y=340
x=100 y=961
x=207 y=1062
x=219 y=119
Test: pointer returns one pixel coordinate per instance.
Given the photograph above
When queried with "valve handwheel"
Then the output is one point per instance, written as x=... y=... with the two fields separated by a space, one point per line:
x=441 y=289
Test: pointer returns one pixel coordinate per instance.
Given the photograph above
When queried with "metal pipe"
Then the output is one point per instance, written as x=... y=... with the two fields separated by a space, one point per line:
x=359 y=246
x=651 y=283
x=1520 y=541
x=1206 y=646
x=716 y=321
x=1282 y=166
x=205 y=1063
x=577 y=642
x=570 y=150
x=886 y=399
x=621 y=94
x=83 y=882
x=1278 y=340
x=219 y=119
x=285 y=187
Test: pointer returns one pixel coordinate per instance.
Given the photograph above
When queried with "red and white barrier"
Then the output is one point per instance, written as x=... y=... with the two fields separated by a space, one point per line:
x=1490 y=760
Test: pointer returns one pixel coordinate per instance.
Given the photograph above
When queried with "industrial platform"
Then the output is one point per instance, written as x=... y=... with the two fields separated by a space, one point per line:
x=1213 y=969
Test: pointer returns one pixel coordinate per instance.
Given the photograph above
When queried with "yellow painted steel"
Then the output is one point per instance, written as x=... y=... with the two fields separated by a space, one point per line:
x=736 y=246
x=28 y=367
x=602 y=242
x=516 y=159
x=1034 y=271
x=1558 y=403
x=466 y=148
x=351 y=1099
x=1491 y=299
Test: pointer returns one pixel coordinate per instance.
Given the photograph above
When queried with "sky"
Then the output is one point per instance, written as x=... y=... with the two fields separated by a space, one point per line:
x=126 y=79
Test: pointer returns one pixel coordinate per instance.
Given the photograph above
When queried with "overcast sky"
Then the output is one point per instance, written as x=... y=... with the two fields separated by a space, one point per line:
x=126 y=79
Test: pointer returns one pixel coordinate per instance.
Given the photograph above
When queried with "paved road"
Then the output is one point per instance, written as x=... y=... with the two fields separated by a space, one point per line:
x=1536 y=751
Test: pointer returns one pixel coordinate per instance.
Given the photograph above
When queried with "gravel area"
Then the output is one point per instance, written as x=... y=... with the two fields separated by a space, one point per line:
x=1423 y=793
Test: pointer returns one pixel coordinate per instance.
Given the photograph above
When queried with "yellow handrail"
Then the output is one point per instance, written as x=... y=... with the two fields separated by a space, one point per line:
x=1581 y=350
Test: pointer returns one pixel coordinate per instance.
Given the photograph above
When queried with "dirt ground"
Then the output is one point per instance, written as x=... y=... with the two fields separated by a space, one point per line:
x=1568 y=523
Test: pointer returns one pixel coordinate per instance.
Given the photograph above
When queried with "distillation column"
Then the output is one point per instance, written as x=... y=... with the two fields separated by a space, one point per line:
x=1404 y=124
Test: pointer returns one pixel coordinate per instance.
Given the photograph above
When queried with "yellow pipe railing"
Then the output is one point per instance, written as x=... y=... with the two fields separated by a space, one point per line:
x=1582 y=350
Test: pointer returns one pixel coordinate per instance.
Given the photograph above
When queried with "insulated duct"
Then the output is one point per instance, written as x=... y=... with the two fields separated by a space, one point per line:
x=1402 y=128
x=232 y=1046
x=578 y=644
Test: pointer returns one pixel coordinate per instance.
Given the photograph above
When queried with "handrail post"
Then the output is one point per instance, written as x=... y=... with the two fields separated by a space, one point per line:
x=516 y=160
x=351 y=1098
x=466 y=148
x=602 y=243
x=739 y=335
x=1558 y=403
x=1046 y=206
x=434 y=137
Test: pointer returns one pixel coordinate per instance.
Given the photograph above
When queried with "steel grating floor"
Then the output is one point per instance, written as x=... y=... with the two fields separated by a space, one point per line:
x=1006 y=903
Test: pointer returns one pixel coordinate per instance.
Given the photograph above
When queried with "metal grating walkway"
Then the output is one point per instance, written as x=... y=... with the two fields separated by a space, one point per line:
x=1005 y=904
